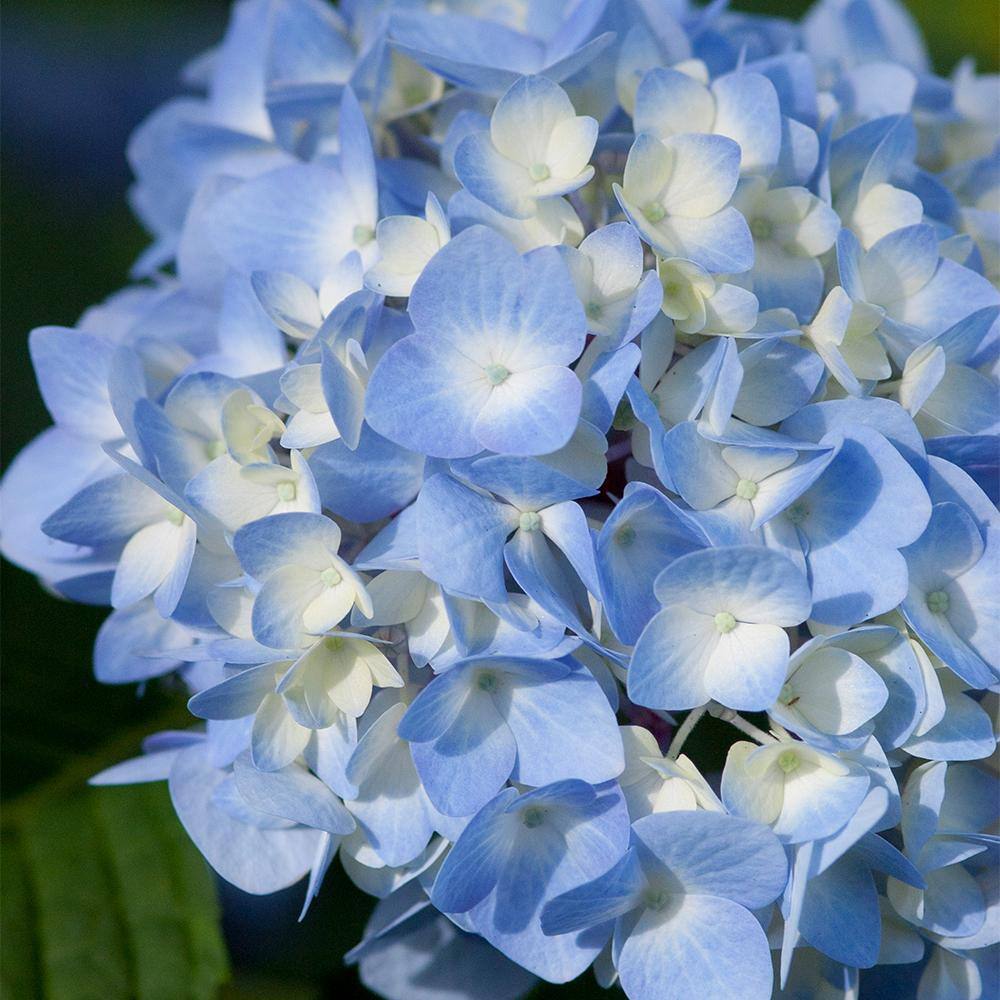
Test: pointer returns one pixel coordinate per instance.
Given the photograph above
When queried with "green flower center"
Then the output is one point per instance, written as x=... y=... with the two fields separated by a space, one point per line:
x=539 y=172
x=330 y=577
x=529 y=521
x=797 y=513
x=487 y=681
x=654 y=212
x=762 y=229
x=533 y=816
x=938 y=602
x=286 y=491
x=625 y=535
x=496 y=374
x=746 y=489
x=656 y=899
x=725 y=622
x=788 y=761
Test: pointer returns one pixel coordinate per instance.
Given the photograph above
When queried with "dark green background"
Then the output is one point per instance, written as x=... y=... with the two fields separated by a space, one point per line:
x=77 y=77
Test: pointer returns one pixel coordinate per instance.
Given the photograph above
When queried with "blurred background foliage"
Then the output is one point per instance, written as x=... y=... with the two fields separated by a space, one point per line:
x=102 y=894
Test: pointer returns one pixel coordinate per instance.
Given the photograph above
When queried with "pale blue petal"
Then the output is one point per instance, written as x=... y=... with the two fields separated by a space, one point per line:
x=965 y=732
x=948 y=297
x=72 y=368
x=532 y=412
x=565 y=524
x=426 y=396
x=787 y=280
x=606 y=384
x=819 y=803
x=237 y=696
x=292 y=793
x=778 y=379
x=298 y=219
x=697 y=469
x=756 y=585
x=391 y=806
x=470 y=53
x=582 y=836
x=612 y=894
x=436 y=707
x=131 y=642
x=104 y=512
x=492 y=178
x=177 y=456
x=696 y=946
x=328 y=753
x=564 y=728
x=468 y=764
x=799 y=155
x=714 y=854
x=643 y=533
x=138 y=770
x=473 y=865
x=667 y=669
x=523 y=481
x=814 y=422
x=545 y=575
x=289 y=301
x=468 y=289
x=375 y=480
x=746 y=110
x=357 y=162
x=278 y=608
x=276 y=739
x=344 y=394
x=255 y=860
x=840 y=913
x=475 y=526
x=268 y=544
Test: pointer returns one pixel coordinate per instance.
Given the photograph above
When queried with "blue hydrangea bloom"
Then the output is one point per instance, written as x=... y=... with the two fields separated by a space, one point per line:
x=487 y=365
x=719 y=633
x=519 y=852
x=681 y=899
x=486 y=720
x=500 y=380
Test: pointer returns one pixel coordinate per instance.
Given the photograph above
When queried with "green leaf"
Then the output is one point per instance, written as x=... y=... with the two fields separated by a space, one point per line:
x=105 y=897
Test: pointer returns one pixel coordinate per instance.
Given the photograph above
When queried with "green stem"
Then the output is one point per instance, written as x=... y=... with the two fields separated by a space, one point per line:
x=686 y=728
x=738 y=722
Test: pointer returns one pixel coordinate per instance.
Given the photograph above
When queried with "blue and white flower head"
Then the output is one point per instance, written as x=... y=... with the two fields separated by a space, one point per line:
x=720 y=633
x=699 y=302
x=487 y=367
x=511 y=377
x=536 y=148
x=406 y=244
x=677 y=193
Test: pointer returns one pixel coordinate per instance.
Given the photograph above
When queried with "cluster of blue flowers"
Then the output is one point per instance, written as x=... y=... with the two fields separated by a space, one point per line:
x=505 y=377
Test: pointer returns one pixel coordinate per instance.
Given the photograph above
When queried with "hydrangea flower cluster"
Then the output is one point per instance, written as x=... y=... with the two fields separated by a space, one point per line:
x=503 y=379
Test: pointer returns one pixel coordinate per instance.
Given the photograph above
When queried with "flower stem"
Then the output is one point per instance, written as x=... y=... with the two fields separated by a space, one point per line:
x=779 y=730
x=686 y=728
x=737 y=721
